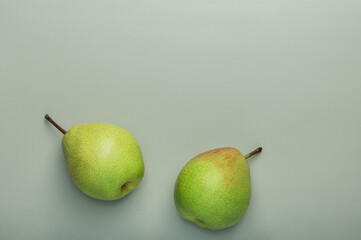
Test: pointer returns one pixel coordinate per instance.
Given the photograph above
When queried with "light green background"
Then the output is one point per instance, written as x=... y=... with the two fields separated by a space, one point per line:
x=183 y=77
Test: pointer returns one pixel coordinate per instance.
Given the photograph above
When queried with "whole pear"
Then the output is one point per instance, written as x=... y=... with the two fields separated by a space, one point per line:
x=213 y=189
x=104 y=161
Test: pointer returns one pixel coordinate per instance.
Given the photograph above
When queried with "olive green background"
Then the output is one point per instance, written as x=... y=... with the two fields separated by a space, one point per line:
x=183 y=77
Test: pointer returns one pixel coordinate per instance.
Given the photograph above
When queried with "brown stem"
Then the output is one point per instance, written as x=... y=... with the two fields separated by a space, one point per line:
x=47 y=117
x=258 y=150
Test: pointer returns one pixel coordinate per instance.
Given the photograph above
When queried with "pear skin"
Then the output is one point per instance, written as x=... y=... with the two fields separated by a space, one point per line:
x=213 y=189
x=104 y=160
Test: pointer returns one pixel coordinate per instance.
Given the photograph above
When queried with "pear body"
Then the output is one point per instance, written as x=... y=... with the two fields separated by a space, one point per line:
x=213 y=189
x=104 y=160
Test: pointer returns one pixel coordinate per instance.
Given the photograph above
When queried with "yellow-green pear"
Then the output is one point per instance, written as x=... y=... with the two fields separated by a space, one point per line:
x=104 y=160
x=213 y=189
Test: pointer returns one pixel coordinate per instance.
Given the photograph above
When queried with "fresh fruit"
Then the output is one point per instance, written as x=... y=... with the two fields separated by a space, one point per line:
x=104 y=160
x=213 y=189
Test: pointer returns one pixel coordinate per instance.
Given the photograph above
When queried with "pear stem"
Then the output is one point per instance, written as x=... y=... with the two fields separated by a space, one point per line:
x=47 y=117
x=258 y=150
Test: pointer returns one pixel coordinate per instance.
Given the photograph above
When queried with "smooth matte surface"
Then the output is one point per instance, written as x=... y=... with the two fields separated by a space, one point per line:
x=183 y=77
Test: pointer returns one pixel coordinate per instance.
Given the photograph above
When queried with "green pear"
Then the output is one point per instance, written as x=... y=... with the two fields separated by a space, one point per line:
x=213 y=189
x=104 y=160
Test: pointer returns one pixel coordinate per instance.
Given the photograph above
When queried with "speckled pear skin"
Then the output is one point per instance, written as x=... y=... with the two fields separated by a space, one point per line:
x=213 y=189
x=104 y=160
